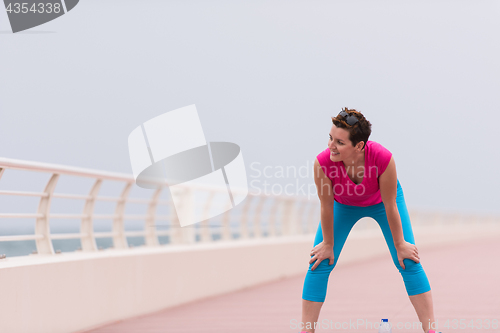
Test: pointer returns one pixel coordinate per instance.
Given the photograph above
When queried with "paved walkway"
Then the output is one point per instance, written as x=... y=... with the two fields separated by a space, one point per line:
x=465 y=281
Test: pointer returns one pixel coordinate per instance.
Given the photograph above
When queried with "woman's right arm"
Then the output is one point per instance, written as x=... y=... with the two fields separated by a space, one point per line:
x=324 y=250
x=325 y=194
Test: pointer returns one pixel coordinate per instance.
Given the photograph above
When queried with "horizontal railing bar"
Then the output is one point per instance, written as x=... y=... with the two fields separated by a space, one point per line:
x=67 y=236
x=135 y=217
x=104 y=234
x=146 y=201
x=20 y=215
x=82 y=197
x=138 y=200
x=104 y=216
x=20 y=238
x=130 y=216
x=106 y=198
x=10 y=163
x=95 y=216
x=25 y=193
x=143 y=217
x=71 y=196
x=115 y=199
x=102 y=198
x=135 y=233
x=68 y=216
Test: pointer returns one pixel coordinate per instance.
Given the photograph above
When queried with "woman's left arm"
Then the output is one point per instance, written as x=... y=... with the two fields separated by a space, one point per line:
x=388 y=182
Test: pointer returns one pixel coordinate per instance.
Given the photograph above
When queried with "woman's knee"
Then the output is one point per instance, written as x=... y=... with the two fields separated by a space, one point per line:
x=323 y=266
x=410 y=266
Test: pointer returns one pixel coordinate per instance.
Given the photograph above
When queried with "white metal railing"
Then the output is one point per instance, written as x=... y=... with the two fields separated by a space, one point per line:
x=288 y=215
x=297 y=215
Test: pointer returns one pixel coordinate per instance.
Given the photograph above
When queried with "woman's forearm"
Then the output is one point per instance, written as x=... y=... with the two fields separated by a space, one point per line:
x=395 y=224
x=327 y=223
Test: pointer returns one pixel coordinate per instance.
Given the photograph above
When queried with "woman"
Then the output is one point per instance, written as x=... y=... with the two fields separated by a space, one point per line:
x=357 y=178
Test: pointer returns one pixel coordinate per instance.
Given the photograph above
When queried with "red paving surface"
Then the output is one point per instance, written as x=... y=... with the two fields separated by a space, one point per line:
x=465 y=282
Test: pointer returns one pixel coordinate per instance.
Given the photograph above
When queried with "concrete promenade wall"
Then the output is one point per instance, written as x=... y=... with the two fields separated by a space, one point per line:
x=72 y=292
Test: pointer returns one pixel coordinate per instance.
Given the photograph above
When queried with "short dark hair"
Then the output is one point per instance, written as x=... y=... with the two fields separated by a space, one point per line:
x=358 y=132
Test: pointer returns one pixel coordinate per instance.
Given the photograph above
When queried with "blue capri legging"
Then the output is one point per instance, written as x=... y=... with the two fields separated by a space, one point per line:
x=344 y=218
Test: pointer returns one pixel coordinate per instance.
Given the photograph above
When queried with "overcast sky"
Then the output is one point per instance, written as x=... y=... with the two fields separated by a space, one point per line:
x=267 y=75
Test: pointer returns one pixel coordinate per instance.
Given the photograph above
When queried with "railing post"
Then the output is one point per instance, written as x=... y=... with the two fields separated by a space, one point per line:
x=183 y=235
x=119 y=239
x=42 y=224
x=413 y=214
x=492 y=220
x=151 y=238
x=300 y=218
x=316 y=217
x=244 y=218
x=290 y=217
x=438 y=218
x=273 y=219
x=226 y=225
x=456 y=219
x=310 y=217
x=87 y=226
x=257 y=227
x=205 y=232
x=426 y=218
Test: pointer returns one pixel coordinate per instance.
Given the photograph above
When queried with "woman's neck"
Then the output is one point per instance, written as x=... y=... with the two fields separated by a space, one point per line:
x=357 y=161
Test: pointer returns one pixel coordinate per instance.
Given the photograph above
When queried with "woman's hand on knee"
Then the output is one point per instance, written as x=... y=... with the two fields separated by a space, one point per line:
x=407 y=250
x=321 y=252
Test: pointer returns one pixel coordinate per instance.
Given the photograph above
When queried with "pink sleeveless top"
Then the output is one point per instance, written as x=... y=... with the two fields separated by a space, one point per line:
x=366 y=193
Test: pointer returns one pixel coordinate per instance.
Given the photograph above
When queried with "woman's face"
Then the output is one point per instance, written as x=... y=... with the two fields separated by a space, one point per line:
x=340 y=146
